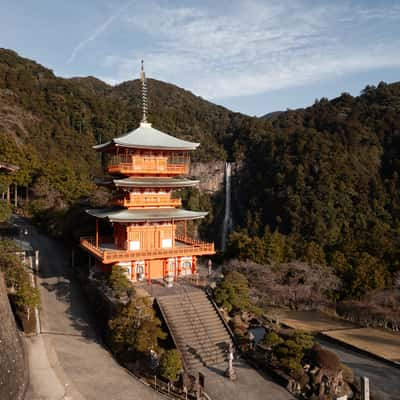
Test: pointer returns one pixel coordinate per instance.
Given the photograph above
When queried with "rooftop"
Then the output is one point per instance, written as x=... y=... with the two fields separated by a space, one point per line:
x=155 y=182
x=147 y=137
x=145 y=215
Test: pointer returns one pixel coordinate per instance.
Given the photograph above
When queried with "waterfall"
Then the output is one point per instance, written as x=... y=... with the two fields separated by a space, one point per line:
x=227 y=224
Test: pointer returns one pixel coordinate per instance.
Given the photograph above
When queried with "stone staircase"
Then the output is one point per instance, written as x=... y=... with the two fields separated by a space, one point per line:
x=196 y=328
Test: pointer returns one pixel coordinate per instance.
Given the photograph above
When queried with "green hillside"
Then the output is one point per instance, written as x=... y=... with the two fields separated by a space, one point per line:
x=320 y=183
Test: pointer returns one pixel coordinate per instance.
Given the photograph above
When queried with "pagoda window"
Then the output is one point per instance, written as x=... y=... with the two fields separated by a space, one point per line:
x=134 y=245
x=166 y=243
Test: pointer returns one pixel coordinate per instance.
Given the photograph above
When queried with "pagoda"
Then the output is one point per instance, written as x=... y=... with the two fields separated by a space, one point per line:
x=146 y=166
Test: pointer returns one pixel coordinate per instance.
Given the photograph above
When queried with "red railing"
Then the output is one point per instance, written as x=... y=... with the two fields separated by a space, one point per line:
x=148 y=201
x=148 y=165
x=193 y=248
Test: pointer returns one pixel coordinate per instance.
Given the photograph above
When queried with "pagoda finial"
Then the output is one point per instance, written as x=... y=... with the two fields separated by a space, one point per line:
x=144 y=94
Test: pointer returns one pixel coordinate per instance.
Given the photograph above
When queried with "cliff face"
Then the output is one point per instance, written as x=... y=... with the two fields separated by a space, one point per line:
x=13 y=364
x=210 y=174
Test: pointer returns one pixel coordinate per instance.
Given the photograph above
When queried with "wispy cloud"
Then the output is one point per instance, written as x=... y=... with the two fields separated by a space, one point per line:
x=98 y=31
x=258 y=46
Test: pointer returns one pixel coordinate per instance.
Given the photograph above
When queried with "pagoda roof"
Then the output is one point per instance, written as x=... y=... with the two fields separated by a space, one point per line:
x=145 y=215
x=154 y=182
x=147 y=137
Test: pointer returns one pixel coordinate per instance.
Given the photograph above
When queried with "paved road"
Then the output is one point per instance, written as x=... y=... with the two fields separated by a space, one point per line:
x=67 y=360
x=384 y=379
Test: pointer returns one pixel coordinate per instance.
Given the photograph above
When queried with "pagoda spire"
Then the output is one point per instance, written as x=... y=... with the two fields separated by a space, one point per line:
x=144 y=94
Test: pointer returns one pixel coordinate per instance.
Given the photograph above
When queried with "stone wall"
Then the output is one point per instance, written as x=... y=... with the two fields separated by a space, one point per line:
x=13 y=361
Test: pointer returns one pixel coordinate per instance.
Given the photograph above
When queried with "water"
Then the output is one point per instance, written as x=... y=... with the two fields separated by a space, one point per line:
x=227 y=224
x=259 y=333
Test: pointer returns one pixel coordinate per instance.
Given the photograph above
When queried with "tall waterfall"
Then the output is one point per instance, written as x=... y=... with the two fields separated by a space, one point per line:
x=227 y=224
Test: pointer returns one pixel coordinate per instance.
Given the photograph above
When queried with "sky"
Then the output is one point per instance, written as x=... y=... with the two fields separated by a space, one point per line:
x=252 y=56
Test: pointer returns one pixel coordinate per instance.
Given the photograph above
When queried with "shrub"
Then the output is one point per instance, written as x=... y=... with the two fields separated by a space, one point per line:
x=135 y=327
x=272 y=339
x=170 y=365
x=234 y=294
x=118 y=281
x=324 y=358
x=304 y=339
x=348 y=374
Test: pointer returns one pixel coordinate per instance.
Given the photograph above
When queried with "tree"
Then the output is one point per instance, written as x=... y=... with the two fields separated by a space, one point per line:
x=233 y=294
x=369 y=273
x=314 y=254
x=170 y=365
x=272 y=339
x=5 y=211
x=135 y=327
x=26 y=297
x=118 y=281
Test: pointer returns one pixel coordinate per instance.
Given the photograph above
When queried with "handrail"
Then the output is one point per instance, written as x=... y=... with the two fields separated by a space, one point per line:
x=148 y=200
x=117 y=255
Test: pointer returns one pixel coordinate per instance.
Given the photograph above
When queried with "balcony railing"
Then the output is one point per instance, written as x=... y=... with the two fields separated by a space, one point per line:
x=141 y=201
x=107 y=256
x=148 y=165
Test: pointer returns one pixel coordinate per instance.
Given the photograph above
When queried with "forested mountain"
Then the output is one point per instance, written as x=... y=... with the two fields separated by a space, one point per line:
x=327 y=178
x=320 y=183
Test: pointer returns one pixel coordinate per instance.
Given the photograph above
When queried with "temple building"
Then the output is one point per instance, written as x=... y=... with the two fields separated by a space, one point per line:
x=146 y=166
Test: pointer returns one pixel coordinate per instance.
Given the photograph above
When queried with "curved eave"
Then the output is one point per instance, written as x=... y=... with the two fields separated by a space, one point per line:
x=170 y=183
x=146 y=215
x=110 y=144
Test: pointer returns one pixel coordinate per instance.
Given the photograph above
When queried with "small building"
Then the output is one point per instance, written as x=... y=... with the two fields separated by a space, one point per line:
x=146 y=166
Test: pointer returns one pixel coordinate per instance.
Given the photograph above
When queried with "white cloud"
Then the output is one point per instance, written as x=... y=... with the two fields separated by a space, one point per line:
x=257 y=46
x=97 y=32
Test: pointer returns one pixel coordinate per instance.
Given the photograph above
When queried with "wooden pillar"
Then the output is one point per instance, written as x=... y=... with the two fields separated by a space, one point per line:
x=185 y=229
x=8 y=193
x=172 y=235
x=147 y=268
x=179 y=266
x=165 y=268
x=97 y=233
x=194 y=269
x=15 y=195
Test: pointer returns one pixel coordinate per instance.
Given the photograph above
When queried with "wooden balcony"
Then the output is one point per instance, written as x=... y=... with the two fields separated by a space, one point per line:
x=143 y=165
x=148 y=200
x=107 y=254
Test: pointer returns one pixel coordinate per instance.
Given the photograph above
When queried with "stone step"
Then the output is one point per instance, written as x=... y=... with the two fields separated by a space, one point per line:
x=215 y=340
x=200 y=334
x=186 y=325
x=181 y=316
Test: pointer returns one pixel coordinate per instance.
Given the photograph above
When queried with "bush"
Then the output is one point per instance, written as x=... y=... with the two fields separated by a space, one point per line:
x=135 y=327
x=348 y=374
x=118 y=281
x=170 y=365
x=304 y=339
x=324 y=358
x=234 y=294
x=272 y=339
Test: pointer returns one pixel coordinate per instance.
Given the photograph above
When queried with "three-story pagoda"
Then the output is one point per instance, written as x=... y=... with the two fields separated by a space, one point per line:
x=146 y=166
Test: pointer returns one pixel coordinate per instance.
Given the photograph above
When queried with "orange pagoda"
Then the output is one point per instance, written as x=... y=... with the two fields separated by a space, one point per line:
x=146 y=166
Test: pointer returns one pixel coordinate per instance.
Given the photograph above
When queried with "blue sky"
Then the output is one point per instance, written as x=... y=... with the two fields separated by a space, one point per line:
x=252 y=56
